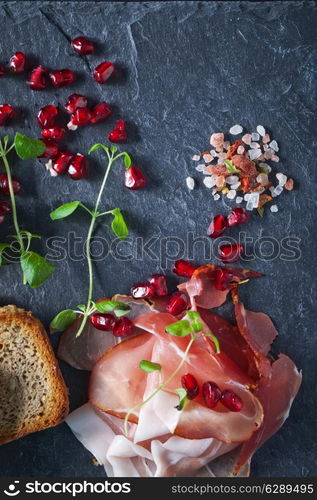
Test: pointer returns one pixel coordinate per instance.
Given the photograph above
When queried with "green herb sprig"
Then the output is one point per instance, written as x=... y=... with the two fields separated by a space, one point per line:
x=35 y=269
x=119 y=228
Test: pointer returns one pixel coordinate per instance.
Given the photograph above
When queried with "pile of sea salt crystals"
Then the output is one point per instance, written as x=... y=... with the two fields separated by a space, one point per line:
x=240 y=169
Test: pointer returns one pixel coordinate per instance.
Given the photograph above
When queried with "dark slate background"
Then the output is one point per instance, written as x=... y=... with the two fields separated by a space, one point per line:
x=187 y=69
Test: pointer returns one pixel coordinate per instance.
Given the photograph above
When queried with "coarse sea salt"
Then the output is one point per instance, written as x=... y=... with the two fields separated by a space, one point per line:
x=207 y=158
x=249 y=205
x=216 y=197
x=275 y=158
x=226 y=144
x=254 y=145
x=232 y=179
x=278 y=190
x=239 y=199
x=266 y=167
x=254 y=153
x=240 y=150
x=200 y=168
x=196 y=157
x=254 y=198
x=247 y=139
x=255 y=136
x=231 y=194
x=235 y=130
x=274 y=208
x=282 y=178
x=190 y=183
x=236 y=185
x=209 y=181
x=213 y=153
x=273 y=145
x=261 y=130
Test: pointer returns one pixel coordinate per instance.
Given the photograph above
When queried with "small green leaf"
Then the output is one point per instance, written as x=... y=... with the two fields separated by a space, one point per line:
x=5 y=141
x=36 y=270
x=118 y=224
x=260 y=211
x=113 y=149
x=127 y=160
x=3 y=246
x=121 y=312
x=98 y=146
x=193 y=315
x=182 y=398
x=149 y=367
x=231 y=168
x=180 y=328
x=111 y=305
x=81 y=307
x=64 y=210
x=28 y=148
x=63 y=319
x=197 y=326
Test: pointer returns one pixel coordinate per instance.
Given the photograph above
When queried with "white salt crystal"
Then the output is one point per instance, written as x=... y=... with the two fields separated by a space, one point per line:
x=240 y=150
x=281 y=178
x=239 y=199
x=274 y=208
x=214 y=191
x=255 y=136
x=272 y=190
x=254 y=145
x=249 y=205
x=196 y=157
x=275 y=158
x=207 y=158
x=209 y=182
x=247 y=139
x=231 y=179
x=190 y=183
x=235 y=130
x=265 y=147
x=254 y=153
x=213 y=153
x=254 y=198
x=231 y=194
x=236 y=185
x=273 y=145
x=216 y=197
x=246 y=197
x=261 y=130
x=278 y=190
x=200 y=167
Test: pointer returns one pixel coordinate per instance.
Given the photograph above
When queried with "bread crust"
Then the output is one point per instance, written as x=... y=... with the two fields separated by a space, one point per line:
x=10 y=315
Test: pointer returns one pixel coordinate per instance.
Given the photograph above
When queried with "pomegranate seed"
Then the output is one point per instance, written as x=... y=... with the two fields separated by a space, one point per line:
x=211 y=393
x=123 y=327
x=119 y=134
x=143 y=291
x=190 y=385
x=61 y=77
x=78 y=167
x=134 y=178
x=47 y=115
x=103 y=322
x=38 y=78
x=230 y=252
x=62 y=162
x=2 y=70
x=75 y=101
x=82 y=46
x=238 y=215
x=79 y=118
x=160 y=284
x=4 y=185
x=7 y=112
x=217 y=226
x=177 y=303
x=231 y=400
x=100 y=112
x=57 y=133
x=104 y=71
x=5 y=208
x=17 y=63
x=51 y=148
x=222 y=279
x=184 y=268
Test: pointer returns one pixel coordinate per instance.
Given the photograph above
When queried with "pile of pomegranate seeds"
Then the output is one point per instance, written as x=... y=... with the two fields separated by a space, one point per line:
x=240 y=168
x=122 y=327
x=156 y=285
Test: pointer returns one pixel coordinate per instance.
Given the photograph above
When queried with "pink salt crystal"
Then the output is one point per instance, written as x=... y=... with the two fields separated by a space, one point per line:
x=207 y=158
x=240 y=150
x=266 y=139
x=262 y=179
x=217 y=139
x=275 y=158
x=247 y=139
x=289 y=185
x=220 y=182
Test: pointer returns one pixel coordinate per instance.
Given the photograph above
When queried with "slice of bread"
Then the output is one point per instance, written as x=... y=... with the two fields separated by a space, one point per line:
x=33 y=395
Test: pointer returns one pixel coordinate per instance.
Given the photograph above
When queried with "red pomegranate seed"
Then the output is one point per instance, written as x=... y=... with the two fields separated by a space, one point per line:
x=2 y=70
x=61 y=163
x=119 y=134
x=79 y=118
x=62 y=77
x=231 y=400
x=222 y=279
x=177 y=303
x=47 y=115
x=184 y=268
x=75 y=101
x=100 y=112
x=238 y=215
x=211 y=393
x=7 y=112
x=78 y=167
x=123 y=327
x=104 y=71
x=5 y=208
x=143 y=291
x=82 y=46
x=57 y=133
x=230 y=252
x=38 y=78
x=160 y=284
x=190 y=385
x=17 y=63
x=217 y=226
x=51 y=148
x=104 y=322
x=134 y=178
x=4 y=185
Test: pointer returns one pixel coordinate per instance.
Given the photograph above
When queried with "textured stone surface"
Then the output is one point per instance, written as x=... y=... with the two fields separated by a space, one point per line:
x=188 y=69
